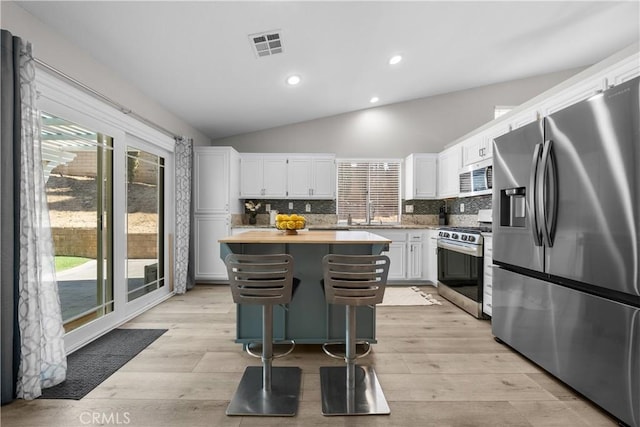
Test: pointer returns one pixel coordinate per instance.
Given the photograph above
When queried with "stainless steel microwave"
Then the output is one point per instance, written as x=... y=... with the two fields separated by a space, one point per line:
x=476 y=179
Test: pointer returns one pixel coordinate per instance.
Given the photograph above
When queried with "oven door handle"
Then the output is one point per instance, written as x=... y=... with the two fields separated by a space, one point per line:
x=475 y=250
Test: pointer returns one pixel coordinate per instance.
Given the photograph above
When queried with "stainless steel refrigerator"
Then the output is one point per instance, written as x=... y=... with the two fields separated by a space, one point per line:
x=566 y=227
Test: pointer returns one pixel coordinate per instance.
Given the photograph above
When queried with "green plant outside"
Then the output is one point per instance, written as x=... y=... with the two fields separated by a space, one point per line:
x=67 y=262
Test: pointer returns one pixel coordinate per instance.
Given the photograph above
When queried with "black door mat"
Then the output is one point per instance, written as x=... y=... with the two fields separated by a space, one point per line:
x=98 y=360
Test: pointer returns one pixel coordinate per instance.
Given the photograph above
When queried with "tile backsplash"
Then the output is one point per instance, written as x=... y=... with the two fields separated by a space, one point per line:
x=282 y=206
x=432 y=207
x=425 y=212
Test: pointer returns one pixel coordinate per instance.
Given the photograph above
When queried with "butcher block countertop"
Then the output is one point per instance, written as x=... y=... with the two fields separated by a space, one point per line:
x=310 y=237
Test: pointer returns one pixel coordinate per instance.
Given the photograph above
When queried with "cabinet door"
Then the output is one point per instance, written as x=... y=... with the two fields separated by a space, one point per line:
x=398 y=255
x=207 y=230
x=211 y=180
x=274 y=177
x=431 y=257
x=414 y=270
x=397 y=252
x=448 y=169
x=300 y=171
x=490 y=135
x=425 y=177
x=323 y=179
x=251 y=171
x=473 y=150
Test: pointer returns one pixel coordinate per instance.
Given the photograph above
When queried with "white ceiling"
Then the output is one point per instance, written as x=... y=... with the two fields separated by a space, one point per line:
x=195 y=59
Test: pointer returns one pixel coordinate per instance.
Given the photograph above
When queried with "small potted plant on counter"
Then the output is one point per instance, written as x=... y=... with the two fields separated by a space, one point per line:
x=253 y=211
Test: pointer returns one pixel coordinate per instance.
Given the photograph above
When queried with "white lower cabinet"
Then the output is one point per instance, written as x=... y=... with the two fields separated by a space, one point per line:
x=398 y=256
x=415 y=261
x=207 y=230
x=487 y=297
x=413 y=255
x=430 y=270
x=397 y=252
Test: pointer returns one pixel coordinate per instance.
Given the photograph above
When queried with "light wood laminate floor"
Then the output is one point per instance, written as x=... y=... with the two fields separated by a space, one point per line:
x=437 y=365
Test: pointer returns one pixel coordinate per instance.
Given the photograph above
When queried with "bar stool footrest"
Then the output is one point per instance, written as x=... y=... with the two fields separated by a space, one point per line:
x=367 y=397
x=342 y=355
x=250 y=352
x=281 y=401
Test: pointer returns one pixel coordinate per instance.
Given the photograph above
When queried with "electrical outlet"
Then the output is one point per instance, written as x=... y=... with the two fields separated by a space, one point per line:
x=307 y=207
x=461 y=207
x=267 y=207
x=408 y=208
x=290 y=206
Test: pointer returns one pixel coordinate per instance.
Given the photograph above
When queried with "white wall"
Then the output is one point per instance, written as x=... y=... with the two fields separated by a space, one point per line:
x=50 y=47
x=422 y=125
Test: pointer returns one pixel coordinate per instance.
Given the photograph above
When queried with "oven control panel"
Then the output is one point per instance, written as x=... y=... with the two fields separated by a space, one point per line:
x=466 y=236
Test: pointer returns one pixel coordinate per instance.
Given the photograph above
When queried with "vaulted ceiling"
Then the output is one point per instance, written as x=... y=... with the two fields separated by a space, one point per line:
x=197 y=58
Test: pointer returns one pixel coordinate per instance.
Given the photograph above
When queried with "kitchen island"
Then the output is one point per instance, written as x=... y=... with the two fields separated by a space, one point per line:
x=308 y=319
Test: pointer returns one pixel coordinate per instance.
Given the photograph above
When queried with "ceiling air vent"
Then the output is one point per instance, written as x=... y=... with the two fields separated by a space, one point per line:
x=267 y=43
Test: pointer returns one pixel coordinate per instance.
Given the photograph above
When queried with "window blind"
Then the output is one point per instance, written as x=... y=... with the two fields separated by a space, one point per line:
x=372 y=184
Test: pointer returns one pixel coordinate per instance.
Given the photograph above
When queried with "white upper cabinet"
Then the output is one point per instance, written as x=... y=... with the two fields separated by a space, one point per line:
x=492 y=133
x=474 y=150
x=421 y=176
x=216 y=176
x=263 y=176
x=480 y=146
x=449 y=163
x=311 y=177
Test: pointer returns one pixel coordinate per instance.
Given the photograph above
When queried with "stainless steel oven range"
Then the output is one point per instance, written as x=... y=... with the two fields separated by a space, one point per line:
x=460 y=275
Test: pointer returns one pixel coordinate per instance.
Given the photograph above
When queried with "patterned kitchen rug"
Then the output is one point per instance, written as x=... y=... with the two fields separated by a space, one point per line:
x=98 y=360
x=408 y=295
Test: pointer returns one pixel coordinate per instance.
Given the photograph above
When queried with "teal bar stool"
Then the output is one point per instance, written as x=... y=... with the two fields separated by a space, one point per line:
x=352 y=281
x=265 y=280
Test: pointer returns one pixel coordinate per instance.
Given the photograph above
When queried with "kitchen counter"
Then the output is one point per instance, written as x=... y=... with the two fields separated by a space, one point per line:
x=343 y=227
x=333 y=237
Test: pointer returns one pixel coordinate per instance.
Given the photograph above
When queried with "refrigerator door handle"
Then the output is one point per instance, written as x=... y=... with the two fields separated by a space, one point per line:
x=548 y=194
x=533 y=205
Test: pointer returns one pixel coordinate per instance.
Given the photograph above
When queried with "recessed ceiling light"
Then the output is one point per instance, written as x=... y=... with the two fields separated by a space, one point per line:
x=293 y=80
x=395 y=59
x=374 y=99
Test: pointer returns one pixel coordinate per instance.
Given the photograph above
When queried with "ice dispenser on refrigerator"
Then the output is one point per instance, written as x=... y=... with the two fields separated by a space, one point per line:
x=513 y=207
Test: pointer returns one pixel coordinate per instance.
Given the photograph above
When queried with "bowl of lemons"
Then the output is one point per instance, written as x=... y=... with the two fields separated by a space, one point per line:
x=290 y=224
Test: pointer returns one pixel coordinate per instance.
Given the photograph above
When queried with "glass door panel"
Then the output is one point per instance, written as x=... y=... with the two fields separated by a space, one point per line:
x=145 y=223
x=78 y=165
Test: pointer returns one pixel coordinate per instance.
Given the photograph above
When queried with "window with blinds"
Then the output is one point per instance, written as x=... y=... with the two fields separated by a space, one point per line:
x=369 y=191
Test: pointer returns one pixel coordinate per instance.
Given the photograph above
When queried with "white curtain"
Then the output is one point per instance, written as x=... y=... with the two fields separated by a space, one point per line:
x=183 y=250
x=43 y=361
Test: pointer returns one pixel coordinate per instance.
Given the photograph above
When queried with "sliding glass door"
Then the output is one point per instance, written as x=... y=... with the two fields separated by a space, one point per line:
x=145 y=222
x=109 y=186
x=78 y=166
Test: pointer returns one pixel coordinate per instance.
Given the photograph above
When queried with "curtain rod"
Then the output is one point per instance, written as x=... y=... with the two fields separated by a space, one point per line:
x=95 y=93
